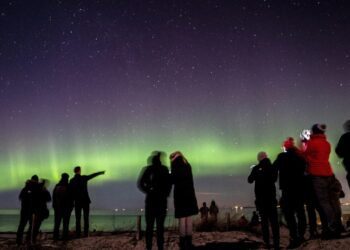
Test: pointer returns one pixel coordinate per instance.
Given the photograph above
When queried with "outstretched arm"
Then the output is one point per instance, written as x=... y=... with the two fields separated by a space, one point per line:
x=89 y=177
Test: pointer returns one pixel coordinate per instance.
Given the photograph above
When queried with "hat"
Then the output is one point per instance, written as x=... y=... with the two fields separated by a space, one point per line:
x=261 y=156
x=288 y=143
x=318 y=128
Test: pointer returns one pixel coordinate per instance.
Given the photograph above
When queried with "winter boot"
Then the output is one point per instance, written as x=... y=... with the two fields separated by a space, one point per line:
x=182 y=243
x=189 y=245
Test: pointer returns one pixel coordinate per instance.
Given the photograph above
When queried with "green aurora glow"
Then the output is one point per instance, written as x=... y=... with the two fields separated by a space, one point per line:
x=123 y=161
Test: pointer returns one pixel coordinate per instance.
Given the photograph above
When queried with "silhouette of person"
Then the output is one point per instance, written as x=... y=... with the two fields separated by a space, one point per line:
x=155 y=182
x=254 y=221
x=343 y=149
x=78 y=187
x=28 y=198
x=204 y=211
x=291 y=167
x=185 y=201
x=213 y=211
x=41 y=212
x=62 y=204
x=242 y=221
x=317 y=154
x=265 y=175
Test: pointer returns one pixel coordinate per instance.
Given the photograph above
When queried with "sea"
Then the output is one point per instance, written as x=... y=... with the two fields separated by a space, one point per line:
x=127 y=219
x=111 y=220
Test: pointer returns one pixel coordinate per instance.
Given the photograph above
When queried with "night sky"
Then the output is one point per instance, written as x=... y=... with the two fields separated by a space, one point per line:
x=101 y=84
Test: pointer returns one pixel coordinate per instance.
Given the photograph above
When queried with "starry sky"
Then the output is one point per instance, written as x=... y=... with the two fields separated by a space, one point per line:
x=103 y=83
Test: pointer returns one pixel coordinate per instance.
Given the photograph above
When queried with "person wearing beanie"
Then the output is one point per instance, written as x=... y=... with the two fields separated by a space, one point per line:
x=323 y=181
x=62 y=204
x=343 y=149
x=265 y=175
x=185 y=201
x=291 y=167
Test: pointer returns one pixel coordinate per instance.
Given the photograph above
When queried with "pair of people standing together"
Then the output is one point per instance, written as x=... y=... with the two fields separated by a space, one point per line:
x=156 y=182
x=67 y=195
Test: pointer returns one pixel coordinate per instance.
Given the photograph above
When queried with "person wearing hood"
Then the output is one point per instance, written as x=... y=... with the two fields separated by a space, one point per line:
x=325 y=185
x=42 y=212
x=62 y=204
x=291 y=167
x=185 y=201
x=155 y=182
x=265 y=175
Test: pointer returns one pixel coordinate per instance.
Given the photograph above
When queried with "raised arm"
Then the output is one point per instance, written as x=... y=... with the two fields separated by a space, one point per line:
x=89 y=177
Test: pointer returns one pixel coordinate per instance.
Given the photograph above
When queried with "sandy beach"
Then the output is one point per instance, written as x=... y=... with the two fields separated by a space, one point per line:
x=202 y=240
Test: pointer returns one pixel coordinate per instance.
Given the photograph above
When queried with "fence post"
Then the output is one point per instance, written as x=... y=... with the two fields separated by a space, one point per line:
x=228 y=221
x=138 y=228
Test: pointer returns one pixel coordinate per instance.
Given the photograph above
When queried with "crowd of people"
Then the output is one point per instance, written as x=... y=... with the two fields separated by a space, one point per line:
x=306 y=179
x=305 y=175
x=65 y=196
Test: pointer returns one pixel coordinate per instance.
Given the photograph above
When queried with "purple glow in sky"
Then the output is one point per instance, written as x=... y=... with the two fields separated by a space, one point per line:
x=104 y=83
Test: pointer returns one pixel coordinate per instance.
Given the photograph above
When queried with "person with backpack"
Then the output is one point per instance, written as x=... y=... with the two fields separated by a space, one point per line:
x=62 y=204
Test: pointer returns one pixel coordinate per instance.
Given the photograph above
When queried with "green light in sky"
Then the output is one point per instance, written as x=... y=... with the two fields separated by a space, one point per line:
x=121 y=162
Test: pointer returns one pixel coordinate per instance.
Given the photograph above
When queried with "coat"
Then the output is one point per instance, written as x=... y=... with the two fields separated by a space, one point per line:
x=61 y=198
x=79 y=189
x=185 y=201
x=343 y=150
x=291 y=167
x=155 y=182
x=317 y=154
x=264 y=175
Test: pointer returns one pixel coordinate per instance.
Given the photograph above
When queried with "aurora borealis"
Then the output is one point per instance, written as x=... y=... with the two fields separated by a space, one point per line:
x=102 y=84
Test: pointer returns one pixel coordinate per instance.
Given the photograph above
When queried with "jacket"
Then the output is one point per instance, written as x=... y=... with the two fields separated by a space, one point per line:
x=155 y=182
x=291 y=167
x=61 y=197
x=185 y=201
x=79 y=189
x=343 y=150
x=264 y=175
x=317 y=154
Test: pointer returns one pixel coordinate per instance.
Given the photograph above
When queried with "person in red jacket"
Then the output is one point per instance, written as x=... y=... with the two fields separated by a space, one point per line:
x=323 y=180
